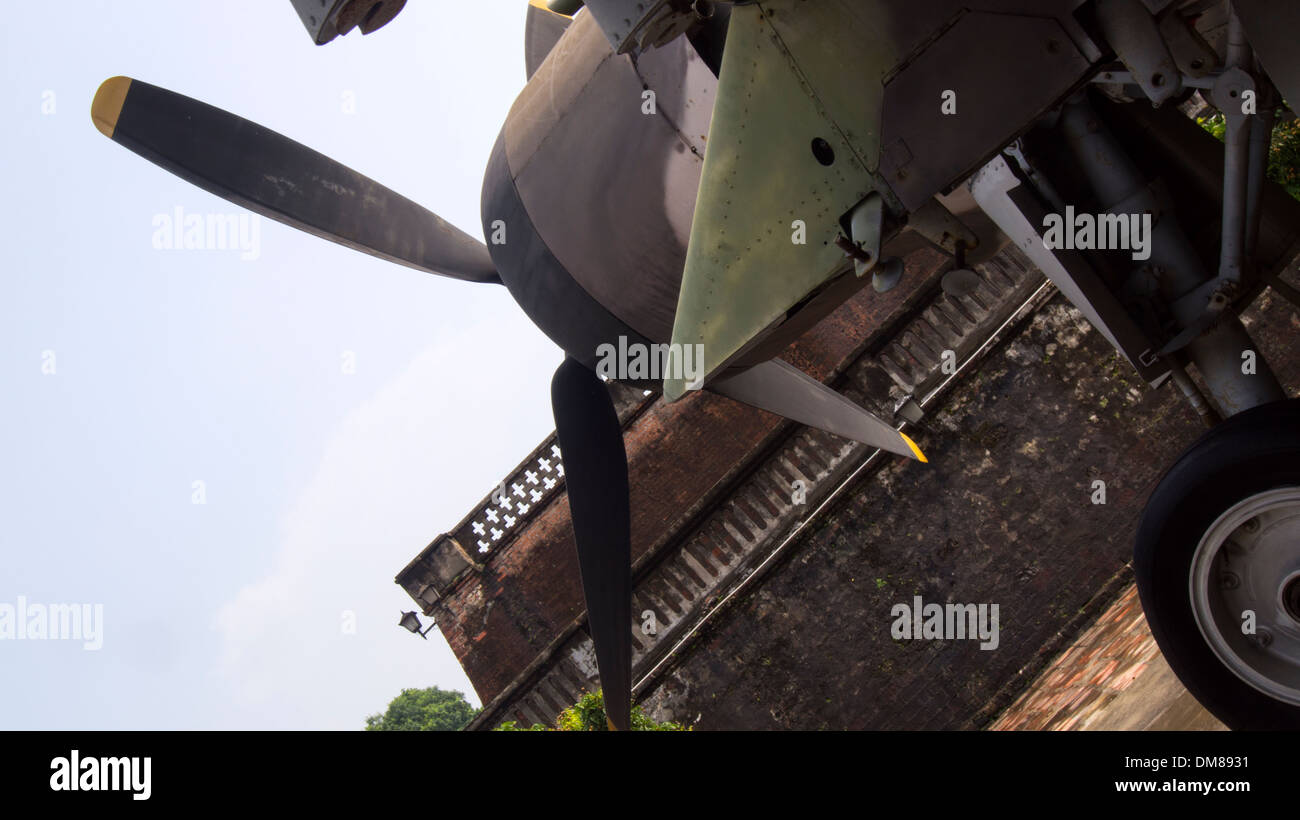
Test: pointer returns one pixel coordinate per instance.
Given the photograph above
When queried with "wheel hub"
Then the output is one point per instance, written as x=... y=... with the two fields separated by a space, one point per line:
x=1245 y=591
x=1291 y=598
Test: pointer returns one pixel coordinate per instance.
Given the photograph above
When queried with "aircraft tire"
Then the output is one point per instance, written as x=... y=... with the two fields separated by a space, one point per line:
x=1217 y=561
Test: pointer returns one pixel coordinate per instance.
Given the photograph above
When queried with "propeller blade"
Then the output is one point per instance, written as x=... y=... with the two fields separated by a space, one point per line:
x=595 y=475
x=281 y=179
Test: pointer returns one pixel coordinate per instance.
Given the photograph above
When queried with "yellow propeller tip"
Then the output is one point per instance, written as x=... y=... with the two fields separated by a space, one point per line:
x=108 y=104
x=916 y=451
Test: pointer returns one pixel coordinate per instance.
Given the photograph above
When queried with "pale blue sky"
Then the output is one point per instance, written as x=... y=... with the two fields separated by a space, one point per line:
x=182 y=365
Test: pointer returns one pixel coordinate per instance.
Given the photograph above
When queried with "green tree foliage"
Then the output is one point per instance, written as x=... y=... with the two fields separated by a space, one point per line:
x=424 y=710
x=1283 y=155
x=588 y=715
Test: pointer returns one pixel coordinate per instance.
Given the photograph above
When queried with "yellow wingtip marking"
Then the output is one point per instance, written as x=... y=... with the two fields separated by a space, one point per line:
x=916 y=451
x=108 y=104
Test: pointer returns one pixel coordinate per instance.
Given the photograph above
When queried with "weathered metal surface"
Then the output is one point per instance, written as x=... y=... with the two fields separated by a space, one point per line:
x=1131 y=30
x=544 y=287
x=927 y=144
x=341 y=16
x=543 y=28
x=607 y=175
x=1271 y=26
x=619 y=20
x=1020 y=215
x=632 y=25
x=743 y=270
x=813 y=101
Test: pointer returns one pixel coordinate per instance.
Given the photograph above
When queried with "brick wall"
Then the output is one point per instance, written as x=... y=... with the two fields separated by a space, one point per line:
x=1003 y=514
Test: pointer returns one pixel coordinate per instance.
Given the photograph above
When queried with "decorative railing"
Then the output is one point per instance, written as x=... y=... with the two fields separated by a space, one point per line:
x=502 y=514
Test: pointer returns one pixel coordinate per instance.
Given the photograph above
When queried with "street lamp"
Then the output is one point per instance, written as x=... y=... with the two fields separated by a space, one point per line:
x=411 y=621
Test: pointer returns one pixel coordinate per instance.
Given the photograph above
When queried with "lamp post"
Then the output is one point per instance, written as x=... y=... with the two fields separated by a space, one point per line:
x=411 y=622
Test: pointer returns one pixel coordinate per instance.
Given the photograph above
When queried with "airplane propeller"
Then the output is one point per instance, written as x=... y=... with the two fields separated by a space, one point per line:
x=283 y=180
x=274 y=176
x=595 y=475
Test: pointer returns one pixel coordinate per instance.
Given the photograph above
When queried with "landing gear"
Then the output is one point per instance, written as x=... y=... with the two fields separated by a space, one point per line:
x=1218 y=552
x=1218 y=568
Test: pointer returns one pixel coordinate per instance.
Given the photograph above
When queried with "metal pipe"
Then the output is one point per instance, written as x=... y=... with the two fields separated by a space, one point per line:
x=1236 y=162
x=1237 y=54
x=1193 y=395
x=1221 y=355
x=1261 y=137
x=1236 y=150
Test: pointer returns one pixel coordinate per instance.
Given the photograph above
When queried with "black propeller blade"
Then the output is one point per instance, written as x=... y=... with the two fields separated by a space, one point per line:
x=595 y=475
x=281 y=179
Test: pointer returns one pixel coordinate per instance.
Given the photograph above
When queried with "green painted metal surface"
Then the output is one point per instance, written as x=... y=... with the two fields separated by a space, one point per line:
x=793 y=72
